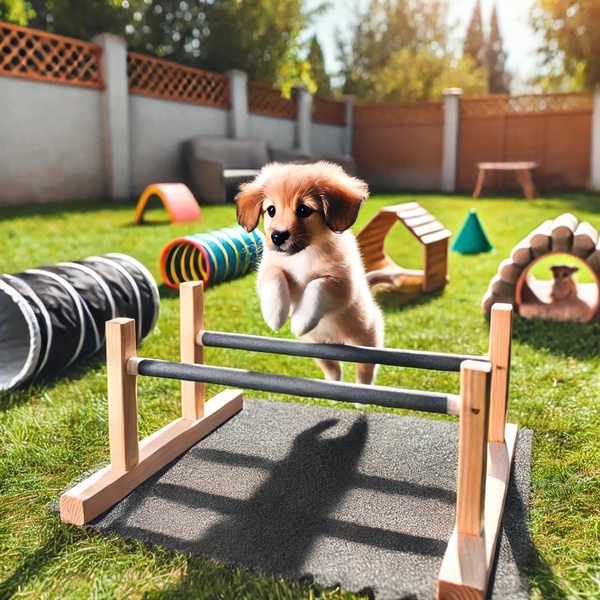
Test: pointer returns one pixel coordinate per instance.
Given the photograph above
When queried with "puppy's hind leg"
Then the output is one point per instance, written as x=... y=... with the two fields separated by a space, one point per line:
x=365 y=373
x=332 y=369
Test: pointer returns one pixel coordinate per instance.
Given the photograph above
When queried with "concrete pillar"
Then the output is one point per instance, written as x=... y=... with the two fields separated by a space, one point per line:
x=238 y=113
x=348 y=139
x=595 y=150
x=450 y=148
x=115 y=116
x=304 y=118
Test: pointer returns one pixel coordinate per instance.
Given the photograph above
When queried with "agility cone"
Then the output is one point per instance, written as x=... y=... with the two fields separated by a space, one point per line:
x=211 y=257
x=472 y=238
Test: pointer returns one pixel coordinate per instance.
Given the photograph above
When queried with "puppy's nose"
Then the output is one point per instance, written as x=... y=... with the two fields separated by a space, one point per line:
x=279 y=237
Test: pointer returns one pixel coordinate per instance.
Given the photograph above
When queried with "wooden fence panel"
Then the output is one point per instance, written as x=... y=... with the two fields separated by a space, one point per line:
x=266 y=100
x=329 y=112
x=163 y=79
x=552 y=129
x=399 y=146
x=32 y=54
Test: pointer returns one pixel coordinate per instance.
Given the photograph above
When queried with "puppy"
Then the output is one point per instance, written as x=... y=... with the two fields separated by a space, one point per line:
x=563 y=287
x=311 y=266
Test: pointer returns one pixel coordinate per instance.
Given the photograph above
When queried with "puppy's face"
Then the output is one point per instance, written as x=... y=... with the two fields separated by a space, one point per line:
x=563 y=283
x=300 y=204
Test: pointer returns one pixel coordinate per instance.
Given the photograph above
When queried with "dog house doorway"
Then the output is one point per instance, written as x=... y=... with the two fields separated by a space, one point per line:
x=560 y=287
x=524 y=279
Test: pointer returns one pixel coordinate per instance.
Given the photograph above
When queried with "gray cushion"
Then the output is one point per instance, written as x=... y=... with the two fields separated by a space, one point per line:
x=247 y=153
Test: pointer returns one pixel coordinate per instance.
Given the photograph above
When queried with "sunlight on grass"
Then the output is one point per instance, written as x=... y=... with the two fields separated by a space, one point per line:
x=55 y=431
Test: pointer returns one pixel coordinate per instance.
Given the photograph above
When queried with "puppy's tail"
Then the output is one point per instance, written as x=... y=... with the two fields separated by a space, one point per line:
x=392 y=277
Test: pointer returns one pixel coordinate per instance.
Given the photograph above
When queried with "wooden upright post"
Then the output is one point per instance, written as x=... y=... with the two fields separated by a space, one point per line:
x=499 y=355
x=464 y=571
x=472 y=448
x=193 y=394
x=122 y=394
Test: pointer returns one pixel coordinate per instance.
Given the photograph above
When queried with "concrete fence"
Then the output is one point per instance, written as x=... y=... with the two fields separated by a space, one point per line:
x=83 y=121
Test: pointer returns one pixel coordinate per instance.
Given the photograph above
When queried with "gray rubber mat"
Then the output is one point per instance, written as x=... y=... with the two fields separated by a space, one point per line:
x=364 y=500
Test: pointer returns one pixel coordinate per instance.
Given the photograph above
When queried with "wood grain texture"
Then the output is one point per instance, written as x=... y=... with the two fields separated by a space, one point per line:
x=122 y=394
x=501 y=320
x=102 y=490
x=193 y=394
x=474 y=393
x=468 y=560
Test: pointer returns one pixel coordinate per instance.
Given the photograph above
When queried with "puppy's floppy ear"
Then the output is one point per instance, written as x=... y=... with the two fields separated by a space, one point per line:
x=342 y=197
x=249 y=204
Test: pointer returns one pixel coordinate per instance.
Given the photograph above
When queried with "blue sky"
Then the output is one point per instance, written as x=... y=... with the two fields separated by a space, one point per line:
x=519 y=40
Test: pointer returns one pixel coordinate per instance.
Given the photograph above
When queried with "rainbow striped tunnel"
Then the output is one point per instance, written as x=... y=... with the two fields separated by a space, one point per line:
x=211 y=257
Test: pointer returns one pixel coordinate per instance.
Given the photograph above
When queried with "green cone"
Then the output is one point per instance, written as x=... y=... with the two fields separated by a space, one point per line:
x=472 y=238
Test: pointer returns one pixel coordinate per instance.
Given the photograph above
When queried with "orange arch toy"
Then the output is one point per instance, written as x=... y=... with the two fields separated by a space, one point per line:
x=177 y=199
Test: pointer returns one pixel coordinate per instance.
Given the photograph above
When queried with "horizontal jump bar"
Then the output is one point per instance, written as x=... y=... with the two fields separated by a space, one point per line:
x=358 y=354
x=298 y=386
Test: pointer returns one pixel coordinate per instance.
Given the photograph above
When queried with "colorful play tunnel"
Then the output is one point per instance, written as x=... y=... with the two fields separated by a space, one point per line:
x=55 y=315
x=211 y=257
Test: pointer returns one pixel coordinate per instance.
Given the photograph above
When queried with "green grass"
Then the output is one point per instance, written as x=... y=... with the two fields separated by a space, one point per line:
x=53 y=432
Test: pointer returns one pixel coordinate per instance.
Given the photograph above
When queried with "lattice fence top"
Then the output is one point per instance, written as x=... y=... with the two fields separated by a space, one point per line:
x=164 y=79
x=497 y=106
x=33 y=54
x=330 y=112
x=266 y=100
x=413 y=113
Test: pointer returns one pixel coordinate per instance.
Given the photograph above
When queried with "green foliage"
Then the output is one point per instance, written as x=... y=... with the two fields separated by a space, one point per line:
x=474 y=44
x=570 y=50
x=423 y=75
x=400 y=51
x=80 y=20
x=261 y=37
x=495 y=58
x=15 y=11
x=54 y=431
x=317 y=69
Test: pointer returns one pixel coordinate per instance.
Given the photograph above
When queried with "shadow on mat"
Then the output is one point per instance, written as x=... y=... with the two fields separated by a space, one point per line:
x=274 y=530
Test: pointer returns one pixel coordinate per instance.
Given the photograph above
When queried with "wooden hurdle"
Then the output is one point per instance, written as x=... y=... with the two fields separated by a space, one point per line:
x=486 y=442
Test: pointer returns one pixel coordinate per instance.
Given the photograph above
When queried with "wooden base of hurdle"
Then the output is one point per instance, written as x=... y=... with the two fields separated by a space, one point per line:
x=486 y=442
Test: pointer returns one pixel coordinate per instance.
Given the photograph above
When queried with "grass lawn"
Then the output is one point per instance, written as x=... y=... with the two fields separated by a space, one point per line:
x=54 y=431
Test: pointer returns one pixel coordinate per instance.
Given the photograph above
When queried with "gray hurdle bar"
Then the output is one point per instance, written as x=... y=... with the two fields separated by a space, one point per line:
x=416 y=400
x=435 y=361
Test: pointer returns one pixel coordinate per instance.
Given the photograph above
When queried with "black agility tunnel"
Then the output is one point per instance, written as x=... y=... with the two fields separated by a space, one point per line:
x=52 y=316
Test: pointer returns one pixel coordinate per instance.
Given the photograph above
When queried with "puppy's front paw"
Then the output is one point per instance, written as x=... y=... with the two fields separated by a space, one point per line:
x=310 y=309
x=302 y=325
x=275 y=303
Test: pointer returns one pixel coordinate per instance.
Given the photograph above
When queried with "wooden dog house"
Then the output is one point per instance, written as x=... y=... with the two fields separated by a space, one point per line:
x=425 y=228
x=563 y=235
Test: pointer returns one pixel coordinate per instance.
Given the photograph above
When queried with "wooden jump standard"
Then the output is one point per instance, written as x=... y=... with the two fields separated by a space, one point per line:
x=486 y=442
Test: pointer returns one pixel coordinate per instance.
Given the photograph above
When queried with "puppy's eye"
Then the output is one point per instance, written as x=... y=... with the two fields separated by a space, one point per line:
x=304 y=211
x=271 y=211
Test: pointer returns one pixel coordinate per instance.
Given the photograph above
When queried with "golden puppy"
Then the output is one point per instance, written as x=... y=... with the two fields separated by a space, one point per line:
x=311 y=266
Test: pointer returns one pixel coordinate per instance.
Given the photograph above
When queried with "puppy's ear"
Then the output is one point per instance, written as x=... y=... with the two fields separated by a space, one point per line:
x=249 y=204
x=342 y=197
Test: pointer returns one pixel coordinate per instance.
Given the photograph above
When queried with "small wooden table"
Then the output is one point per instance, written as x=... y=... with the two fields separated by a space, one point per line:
x=522 y=171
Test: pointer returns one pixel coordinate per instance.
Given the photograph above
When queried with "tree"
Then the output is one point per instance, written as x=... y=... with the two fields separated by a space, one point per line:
x=474 y=42
x=15 y=11
x=317 y=70
x=570 y=51
x=423 y=75
x=80 y=20
x=496 y=58
x=385 y=28
x=261 y=37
